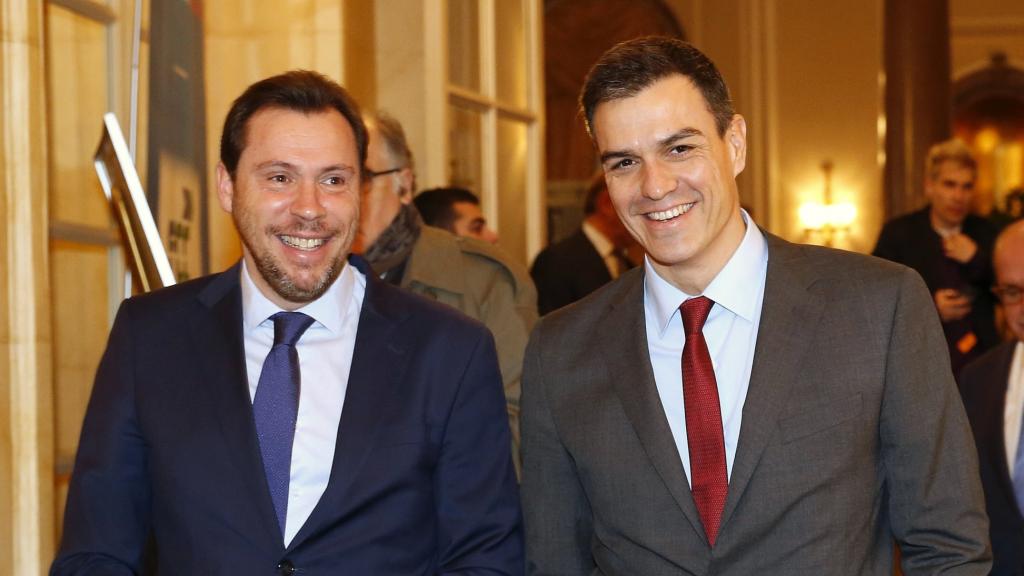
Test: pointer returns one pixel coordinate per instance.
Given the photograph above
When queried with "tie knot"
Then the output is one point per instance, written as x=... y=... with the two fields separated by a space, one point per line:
x=289 y=326
x=695 y=312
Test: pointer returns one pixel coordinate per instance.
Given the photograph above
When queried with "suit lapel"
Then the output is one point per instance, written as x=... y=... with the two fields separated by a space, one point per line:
x=629 y=367
x=220 y=348
x=789 y=317
x=997 y=448
x=379 y=360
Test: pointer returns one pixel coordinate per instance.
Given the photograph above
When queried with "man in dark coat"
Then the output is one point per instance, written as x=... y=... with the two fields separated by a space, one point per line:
x=951 y=249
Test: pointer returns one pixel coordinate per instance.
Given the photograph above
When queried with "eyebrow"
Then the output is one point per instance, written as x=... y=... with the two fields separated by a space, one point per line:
x=290 y=166
x=666 y=141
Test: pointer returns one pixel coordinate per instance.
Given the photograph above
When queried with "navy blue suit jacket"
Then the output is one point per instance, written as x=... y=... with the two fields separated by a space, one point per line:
x=983 y=386
x=422 y=479
x=567 y=271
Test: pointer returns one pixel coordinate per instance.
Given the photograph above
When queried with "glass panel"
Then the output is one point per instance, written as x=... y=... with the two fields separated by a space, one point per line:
x=76 y=62
x=511 y=55
x=79 y=287
x=464 y=146
x=464 y=44
x=512 y=143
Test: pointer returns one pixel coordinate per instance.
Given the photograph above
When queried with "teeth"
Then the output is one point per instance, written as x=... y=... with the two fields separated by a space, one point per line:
x=302 y=243
x=671 y=212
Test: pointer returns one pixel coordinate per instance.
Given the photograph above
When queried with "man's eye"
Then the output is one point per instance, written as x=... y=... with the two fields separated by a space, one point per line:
x=279 y=178
x=334 y=180
x=681 y=149
x=624 y=163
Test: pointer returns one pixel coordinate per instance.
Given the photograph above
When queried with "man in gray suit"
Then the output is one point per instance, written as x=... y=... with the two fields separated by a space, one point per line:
x=739 y=405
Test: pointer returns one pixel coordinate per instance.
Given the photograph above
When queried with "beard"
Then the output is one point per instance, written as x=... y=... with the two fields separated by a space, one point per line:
x=274 y=273
x=285 y=287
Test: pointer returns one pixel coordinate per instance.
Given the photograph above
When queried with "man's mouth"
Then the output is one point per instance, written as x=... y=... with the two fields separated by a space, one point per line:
x=674 y=212
x=300 y=243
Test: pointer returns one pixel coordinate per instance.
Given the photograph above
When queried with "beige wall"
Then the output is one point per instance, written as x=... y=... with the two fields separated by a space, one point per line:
x=806 y=78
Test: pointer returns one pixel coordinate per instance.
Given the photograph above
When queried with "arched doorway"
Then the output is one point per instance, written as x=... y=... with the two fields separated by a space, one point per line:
x=988 y=114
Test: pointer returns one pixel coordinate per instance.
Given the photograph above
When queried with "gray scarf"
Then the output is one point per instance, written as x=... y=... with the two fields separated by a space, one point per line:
x=392 y=248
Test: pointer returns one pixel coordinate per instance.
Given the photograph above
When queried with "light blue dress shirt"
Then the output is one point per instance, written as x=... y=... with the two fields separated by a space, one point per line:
x=325 y=358
x=730 y=331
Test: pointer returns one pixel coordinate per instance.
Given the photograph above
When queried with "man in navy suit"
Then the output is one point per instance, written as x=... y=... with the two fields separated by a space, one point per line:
x=293 y=414
x=993 y=390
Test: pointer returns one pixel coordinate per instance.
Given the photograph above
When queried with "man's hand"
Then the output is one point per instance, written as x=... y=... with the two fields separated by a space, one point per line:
x=952 y=304
x=959 y=247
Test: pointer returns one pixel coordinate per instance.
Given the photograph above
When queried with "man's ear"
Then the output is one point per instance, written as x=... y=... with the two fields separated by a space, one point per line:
x=225 y=188
x=736 y=140
x=407 y=183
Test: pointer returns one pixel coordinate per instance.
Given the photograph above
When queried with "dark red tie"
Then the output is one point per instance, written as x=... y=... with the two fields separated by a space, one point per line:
x=709 y=480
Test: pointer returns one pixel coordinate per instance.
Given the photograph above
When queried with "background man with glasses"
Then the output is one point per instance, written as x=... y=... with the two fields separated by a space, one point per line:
x=993 y=390
x=470 y=275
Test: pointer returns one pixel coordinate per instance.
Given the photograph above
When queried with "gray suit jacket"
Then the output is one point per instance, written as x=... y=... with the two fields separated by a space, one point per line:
x=853 y=435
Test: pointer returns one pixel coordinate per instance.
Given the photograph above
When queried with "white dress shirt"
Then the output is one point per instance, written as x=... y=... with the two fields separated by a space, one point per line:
x=1014 y=405
x=730 y=331
x=325 y=358
x=605 y=248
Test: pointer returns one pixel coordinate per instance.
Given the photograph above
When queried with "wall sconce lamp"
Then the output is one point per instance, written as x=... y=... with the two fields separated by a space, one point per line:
x=826 y=219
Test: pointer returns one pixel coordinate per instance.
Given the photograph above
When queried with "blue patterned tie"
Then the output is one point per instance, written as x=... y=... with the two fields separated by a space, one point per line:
x=276 y=406
x=1018 y=471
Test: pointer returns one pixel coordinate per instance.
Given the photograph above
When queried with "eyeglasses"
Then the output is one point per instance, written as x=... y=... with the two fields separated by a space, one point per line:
x=1008 y=294
x=374 y=174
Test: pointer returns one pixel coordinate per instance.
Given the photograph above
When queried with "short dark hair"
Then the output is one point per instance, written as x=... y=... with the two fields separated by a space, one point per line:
x=436 y=205
x=299 y=90
x=631 y=66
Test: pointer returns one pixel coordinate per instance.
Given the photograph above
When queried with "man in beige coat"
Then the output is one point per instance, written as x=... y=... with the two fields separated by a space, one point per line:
x=472 y=276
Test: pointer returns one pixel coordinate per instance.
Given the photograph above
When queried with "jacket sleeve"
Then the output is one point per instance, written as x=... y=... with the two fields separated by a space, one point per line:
x=510 y=311
x=106 y=522
x=477 y=499
x=557 y=515
x=935 y=501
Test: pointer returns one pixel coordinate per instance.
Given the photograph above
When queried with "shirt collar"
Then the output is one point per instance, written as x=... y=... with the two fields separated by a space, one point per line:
x=732 y=288
x=328 y=310
x=601 y=242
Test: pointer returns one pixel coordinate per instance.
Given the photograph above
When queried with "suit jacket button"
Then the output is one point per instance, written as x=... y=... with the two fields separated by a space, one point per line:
x=286 y=568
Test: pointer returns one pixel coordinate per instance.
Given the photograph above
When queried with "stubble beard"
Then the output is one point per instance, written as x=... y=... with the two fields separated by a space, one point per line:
x=271 y=270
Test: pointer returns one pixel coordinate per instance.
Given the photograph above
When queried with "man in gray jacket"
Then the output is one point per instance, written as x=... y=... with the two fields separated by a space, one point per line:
x=739 y=405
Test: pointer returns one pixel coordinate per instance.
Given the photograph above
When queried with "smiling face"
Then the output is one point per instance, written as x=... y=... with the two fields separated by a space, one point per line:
x=295 y=201
x=672 y=178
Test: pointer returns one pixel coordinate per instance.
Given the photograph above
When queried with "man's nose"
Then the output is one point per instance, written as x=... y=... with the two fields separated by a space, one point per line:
x=658 y=180
x=308 y=203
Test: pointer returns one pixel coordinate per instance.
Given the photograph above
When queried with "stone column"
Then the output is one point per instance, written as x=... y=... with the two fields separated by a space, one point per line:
x=26 y=394
x=917 y=95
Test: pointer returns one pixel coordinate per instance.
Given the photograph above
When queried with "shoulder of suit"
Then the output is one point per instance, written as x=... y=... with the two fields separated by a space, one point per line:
x=493 y=256
x=444 y=260
x=841 y=268
x=994 y=360
x=908 y=222
x=981 y=229
x=187 y=291
x=586 y=315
